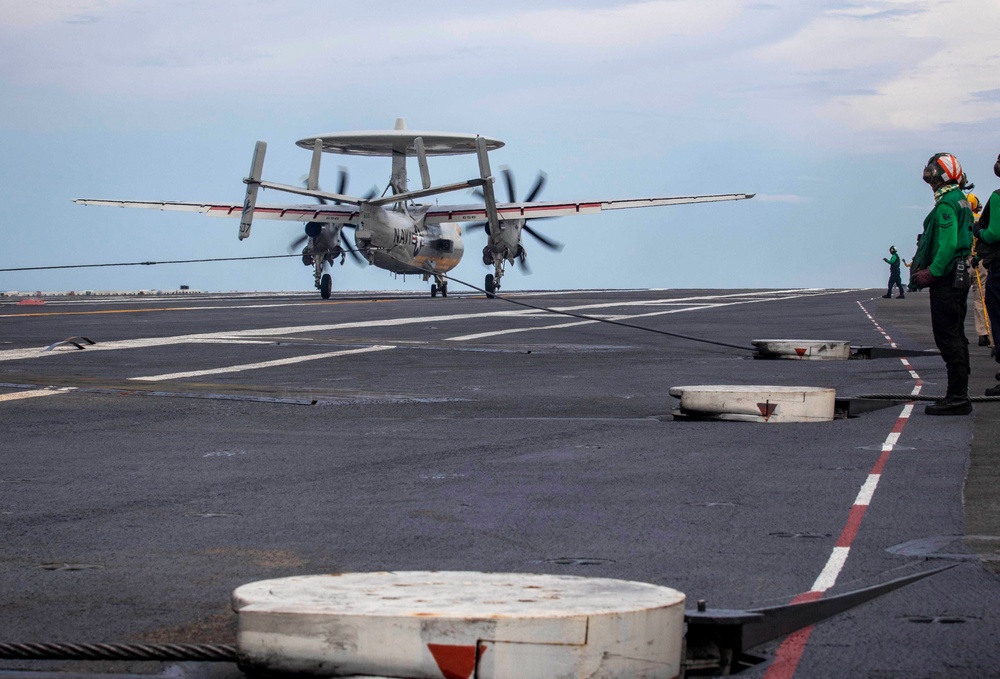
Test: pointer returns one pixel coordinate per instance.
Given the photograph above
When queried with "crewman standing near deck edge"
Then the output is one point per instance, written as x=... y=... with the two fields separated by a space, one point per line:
x=941 y=265
x=894 y=279
x=988 y=233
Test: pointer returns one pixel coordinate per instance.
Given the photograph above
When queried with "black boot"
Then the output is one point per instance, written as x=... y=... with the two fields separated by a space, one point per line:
x=950 y=405
x=886 y=296
x=993 y=391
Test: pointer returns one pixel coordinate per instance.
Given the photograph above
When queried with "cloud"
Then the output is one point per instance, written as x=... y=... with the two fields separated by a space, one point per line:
x=618 y=28
x=38 y=12
x=987 y=95
x=920 y=66
x=168 y=50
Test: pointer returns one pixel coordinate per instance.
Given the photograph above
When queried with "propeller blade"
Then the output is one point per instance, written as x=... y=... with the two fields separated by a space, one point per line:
x=536 y=188
x=372 y=192
x=352 y=249
x=550 y=244
x=296 y=244
x=342 y=182
x=478 y=193
x=304 y=180
x=341 y=185
x=523 y=261
x=509 y=179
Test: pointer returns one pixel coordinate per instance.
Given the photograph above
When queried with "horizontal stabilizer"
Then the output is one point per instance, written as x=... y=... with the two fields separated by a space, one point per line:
x=486 y=174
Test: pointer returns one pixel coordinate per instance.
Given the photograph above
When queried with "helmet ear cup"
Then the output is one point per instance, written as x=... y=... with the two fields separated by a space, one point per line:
x=996 y=167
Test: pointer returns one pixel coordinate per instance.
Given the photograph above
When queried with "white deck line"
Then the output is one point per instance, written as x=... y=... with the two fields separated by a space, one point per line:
x=755 y=297
x=33 y=393
x=262 y=364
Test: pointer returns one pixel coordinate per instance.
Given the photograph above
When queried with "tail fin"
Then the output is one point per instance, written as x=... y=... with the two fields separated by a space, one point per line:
x=488 y=196
x=253 y=185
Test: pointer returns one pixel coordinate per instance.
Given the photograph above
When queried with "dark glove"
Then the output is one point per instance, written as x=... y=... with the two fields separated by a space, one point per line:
x=974 y=262
x=922 y=278
x=885 y=260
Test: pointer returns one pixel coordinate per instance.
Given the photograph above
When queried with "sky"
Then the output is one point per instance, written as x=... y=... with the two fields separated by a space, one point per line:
x=827 y=110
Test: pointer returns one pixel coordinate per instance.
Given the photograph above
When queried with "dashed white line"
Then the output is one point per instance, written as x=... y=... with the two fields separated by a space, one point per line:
x=828 y=576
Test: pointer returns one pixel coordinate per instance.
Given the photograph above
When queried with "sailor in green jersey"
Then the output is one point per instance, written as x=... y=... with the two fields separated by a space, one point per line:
x=941 y=264
x=988 y=233
x=894 y=279
x=947 y=236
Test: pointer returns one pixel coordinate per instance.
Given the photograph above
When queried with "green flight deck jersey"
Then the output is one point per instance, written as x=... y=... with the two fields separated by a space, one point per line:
x=989 y=235
x=947 y=236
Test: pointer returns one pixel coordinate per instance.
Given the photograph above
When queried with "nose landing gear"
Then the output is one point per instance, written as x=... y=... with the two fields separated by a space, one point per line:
x=440 y=284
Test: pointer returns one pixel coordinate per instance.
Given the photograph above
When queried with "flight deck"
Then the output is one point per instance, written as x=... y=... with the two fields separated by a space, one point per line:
x=161 y=451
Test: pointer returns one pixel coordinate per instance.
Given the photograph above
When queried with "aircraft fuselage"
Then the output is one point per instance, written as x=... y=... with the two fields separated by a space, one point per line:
x=398 y=240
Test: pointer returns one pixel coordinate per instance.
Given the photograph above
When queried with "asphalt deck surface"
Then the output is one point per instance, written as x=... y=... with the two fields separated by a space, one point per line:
x=470 y=434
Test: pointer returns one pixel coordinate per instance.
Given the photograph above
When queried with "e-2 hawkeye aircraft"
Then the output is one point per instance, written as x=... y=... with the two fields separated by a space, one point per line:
x=393 y=231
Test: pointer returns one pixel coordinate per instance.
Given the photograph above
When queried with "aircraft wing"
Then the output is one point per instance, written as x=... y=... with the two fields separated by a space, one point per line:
x=333 y=214
x=477 y=213
x=344 y=214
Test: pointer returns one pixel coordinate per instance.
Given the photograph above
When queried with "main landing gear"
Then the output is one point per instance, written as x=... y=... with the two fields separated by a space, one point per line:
x=492 y=283
x=323 y=281
x=498 y=256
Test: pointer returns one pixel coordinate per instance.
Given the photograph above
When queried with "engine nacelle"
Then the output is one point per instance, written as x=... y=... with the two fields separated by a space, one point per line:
x=325 y=240
x=506 y=242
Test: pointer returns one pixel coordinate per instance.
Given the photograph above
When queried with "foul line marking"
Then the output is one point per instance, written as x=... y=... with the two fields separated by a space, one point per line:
x=262 y=364
x=789 y=653
x=34 y=393
x=494 y=333
x=622 y=317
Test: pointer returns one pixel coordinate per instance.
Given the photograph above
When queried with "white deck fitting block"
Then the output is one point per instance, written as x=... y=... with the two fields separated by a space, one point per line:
x=803 y=350
x=459 y=625
x=755 y=403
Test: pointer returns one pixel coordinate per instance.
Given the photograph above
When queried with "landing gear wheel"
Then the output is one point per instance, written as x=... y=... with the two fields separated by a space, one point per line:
x=434 y=290
x=444 y=289
x=490 y=286
x=325 y=285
